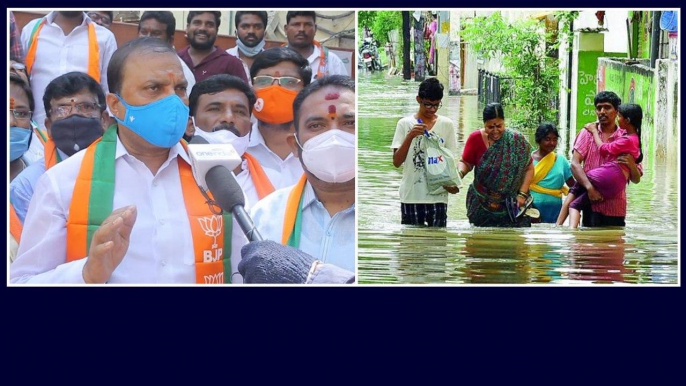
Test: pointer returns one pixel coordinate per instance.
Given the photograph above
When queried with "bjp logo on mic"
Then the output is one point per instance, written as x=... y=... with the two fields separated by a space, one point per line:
x=212 y=226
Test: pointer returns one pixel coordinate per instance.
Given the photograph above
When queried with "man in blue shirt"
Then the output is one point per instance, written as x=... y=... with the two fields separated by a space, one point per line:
x=75 y=115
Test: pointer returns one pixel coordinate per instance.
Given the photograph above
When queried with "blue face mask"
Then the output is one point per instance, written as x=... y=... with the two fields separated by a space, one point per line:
x=162 y=123
x=19 y=142
x=250 y=51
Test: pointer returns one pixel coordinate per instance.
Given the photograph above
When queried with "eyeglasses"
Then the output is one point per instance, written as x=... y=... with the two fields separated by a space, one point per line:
x=89 y=109
x=433 y=106
x=21 y=114
x=96 y=17
x=284 y=81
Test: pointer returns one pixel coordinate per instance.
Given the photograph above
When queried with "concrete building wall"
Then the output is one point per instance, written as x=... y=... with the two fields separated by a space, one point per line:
x=666 y=111
x=564 y=106
x=656 y=91
x=588 y=47
x=471 y=73
x=442 y=45
x=634 y=84
x=455 y=81
x=615 y=38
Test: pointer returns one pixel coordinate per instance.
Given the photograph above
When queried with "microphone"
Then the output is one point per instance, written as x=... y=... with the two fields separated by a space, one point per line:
x=229 y=195
x=204 y=156
x=213 y=174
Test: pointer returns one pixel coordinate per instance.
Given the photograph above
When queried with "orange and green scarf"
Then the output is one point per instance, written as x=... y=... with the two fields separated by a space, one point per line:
x=51 y=156
x=92 y=203
x=323 y=56
x=93 y=49
x=263 y=186
x=15 y=224
x=292 y=222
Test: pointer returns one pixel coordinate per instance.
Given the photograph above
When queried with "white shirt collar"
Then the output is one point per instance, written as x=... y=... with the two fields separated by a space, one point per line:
x=315 y=54
x=244 y=167
x=310 y=197
x=256 y=138
x=176 y=150
x=234 y=51
x=51 y=18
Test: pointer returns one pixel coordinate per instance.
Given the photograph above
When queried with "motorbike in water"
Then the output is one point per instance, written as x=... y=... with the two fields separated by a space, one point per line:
x=369 y=55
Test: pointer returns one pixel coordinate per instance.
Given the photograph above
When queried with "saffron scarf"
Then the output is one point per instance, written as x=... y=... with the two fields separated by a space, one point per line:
x=15 y=224
x=92 y=203
x=50 y=154
x=93 y=49
x=263 y=186
x=292 y=222
x=323 y=55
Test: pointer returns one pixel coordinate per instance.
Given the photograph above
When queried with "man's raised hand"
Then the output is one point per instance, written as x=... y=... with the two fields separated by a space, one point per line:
x=109 y=245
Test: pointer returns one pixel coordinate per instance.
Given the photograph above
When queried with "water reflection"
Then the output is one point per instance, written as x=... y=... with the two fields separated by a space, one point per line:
x=643 y=252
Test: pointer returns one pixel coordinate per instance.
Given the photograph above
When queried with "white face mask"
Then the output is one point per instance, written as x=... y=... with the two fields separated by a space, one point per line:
x=225 y=137
x=330 y=156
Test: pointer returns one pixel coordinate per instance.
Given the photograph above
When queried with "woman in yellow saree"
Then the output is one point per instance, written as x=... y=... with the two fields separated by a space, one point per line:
x=551 y=172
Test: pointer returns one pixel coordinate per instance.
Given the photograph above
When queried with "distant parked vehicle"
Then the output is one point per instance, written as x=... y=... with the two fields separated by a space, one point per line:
x=369 y=55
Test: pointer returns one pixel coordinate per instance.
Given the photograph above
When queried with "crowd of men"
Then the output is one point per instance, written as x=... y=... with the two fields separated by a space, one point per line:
x=102 y=189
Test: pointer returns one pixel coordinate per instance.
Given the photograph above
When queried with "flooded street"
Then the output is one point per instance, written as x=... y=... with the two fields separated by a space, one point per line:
x=646 y=251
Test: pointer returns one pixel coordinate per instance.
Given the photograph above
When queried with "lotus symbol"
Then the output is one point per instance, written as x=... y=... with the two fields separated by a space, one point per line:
x=212 y=226
x=216 y=278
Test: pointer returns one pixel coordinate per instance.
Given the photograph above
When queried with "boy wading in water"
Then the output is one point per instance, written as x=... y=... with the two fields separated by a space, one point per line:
x=417 y=205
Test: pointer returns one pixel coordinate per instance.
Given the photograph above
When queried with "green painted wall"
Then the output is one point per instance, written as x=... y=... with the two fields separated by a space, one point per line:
x=643 y=33
x=634 y=84
x=586 y=86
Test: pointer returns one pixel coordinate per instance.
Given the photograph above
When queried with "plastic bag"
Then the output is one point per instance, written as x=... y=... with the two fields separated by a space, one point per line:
x=439 y=165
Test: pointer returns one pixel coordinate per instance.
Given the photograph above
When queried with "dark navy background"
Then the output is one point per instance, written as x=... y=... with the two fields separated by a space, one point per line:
x=423 y=335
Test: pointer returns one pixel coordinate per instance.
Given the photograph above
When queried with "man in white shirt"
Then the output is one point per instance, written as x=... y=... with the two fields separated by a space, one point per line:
x=161 y=25
x=279 y=74
x=221 y=106
x=317 y=215
x=59 y=43
x=250 y=30
x=301 y=26
x=141 y=218
x=76 y=118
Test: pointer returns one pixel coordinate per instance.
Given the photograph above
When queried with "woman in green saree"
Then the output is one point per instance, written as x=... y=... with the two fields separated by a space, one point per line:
x=503 y=170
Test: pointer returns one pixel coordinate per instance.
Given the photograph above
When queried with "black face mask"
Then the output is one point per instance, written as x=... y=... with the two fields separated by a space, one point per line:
x=75 y=133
